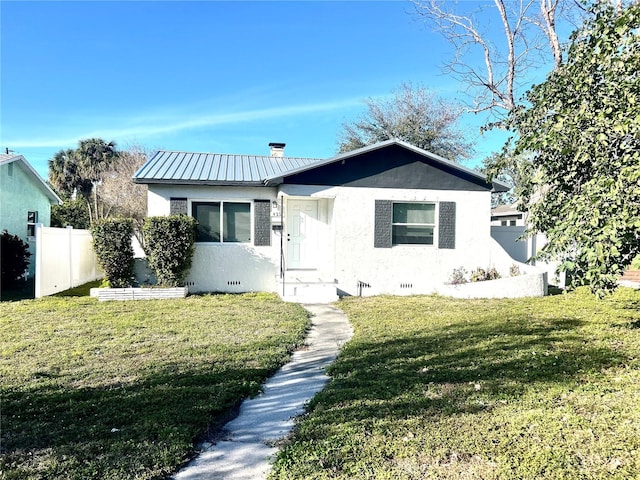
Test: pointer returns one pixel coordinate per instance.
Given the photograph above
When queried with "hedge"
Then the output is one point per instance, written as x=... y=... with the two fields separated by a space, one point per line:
x=112 y=244
x=169 y=247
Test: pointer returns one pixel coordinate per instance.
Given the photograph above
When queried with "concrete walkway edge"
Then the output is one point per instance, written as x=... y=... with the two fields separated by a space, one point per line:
x=249 y=441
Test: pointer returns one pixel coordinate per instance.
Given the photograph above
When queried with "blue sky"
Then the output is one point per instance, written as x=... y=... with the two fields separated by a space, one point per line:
x=214 y=76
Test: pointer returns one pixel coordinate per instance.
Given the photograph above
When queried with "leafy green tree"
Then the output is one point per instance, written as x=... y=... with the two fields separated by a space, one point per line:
x=71 y=212
x=414 y=115
x=508 y=168
x=582 y=130
x=80 y=172
x=64 y=175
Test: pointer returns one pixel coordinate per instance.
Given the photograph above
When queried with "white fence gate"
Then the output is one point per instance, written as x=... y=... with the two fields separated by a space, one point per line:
x=64 y=259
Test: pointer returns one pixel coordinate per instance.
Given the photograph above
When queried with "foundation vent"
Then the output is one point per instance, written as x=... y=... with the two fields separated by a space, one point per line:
x=233 y=282
x=406 y=285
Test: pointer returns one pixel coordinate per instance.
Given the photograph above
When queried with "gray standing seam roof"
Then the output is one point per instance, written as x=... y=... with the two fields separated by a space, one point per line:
x=216 y=168
x=224 y=169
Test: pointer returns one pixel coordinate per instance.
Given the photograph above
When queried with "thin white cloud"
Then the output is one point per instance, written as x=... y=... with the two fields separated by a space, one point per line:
x=154 y=125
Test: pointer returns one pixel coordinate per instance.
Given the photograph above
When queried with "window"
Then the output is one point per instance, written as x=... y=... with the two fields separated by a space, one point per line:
x=32 y=219
x=413 y=223
x=226 y=222
x=512 y=223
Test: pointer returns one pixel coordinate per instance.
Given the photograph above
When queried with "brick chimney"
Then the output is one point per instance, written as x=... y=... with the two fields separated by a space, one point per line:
x=277 y=149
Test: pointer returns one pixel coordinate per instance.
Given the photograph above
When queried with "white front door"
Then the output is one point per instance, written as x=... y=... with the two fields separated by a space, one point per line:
x=302 y=218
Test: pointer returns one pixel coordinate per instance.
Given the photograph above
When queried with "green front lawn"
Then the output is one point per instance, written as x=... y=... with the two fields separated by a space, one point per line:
x=118 y=390
x=430 y=387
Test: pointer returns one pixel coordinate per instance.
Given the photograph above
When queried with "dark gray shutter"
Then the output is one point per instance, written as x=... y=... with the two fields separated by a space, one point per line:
x=447 y=225
x=262 y=223
x=382 y=224
x=177 y=206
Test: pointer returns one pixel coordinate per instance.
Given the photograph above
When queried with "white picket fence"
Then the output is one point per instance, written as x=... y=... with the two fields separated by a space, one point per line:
x=64 y=259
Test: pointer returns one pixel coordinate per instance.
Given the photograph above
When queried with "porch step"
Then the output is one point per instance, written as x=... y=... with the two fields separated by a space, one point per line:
x=307 y=287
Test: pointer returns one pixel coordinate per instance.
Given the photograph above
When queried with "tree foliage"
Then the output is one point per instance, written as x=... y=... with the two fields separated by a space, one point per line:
x=120 y=194
x=14 y=259
x=508 y=168
x=414 y=115
x=80 y=172
x=74 y=213
x=98 y=176
x=170 y=247
x=582 y=129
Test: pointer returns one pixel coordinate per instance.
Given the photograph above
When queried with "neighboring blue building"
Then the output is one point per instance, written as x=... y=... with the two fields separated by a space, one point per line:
x=25 y=200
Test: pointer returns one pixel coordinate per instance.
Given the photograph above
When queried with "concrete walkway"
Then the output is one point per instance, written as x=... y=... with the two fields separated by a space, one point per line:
x=249 y=441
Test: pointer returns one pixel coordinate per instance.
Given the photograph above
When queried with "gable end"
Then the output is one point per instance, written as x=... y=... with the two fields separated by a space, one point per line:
x=390 y=167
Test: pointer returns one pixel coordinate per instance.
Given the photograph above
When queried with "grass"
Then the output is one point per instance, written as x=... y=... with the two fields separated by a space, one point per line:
x=119 y=390
x=80 y=291
x=435 y=388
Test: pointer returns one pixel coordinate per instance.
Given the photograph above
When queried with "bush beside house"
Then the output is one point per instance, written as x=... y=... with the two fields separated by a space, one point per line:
x=169 y=244
x=14 y=259
x=112 y=244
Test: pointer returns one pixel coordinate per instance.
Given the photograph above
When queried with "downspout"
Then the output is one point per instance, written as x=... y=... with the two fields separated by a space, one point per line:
x=282 y=265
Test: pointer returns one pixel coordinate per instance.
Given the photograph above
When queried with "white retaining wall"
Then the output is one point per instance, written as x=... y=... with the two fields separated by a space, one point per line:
x=64 y=259
x=528 y=285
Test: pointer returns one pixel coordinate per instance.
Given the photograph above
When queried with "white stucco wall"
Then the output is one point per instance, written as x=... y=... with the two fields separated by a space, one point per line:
x=527 y=285
x=344 y=251
x=405 y=269
x=230 y=267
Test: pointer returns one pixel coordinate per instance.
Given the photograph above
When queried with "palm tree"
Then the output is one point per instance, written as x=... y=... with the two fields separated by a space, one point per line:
x=63 y=173
x=94 y=157
x=81 y=171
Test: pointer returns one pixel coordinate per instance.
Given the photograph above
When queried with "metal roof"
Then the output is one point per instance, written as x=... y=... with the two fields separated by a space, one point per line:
x=216 y=168
x=228 y=169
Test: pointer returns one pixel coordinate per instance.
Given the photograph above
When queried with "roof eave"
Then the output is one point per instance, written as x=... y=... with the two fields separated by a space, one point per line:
x=496 y=185
x=48 y=191
x=211 y=183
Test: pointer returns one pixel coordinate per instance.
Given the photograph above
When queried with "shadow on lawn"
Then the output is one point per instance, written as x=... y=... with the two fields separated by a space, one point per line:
x=440 y=372
x=141 y=429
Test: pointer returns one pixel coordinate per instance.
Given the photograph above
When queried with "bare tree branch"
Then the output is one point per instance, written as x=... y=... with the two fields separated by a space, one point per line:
x=120 y=194
x=493 y=67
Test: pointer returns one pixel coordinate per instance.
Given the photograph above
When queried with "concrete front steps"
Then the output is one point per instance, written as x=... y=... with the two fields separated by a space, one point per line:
x=307 y=286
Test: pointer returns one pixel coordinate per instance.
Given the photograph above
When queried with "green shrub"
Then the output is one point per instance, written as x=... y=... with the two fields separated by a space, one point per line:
x=15 y=259
x=169 y=247
x=112 y=244
x=72 y=212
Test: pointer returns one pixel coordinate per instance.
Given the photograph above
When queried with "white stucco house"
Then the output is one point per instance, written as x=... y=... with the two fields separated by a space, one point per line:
x=387 y=218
